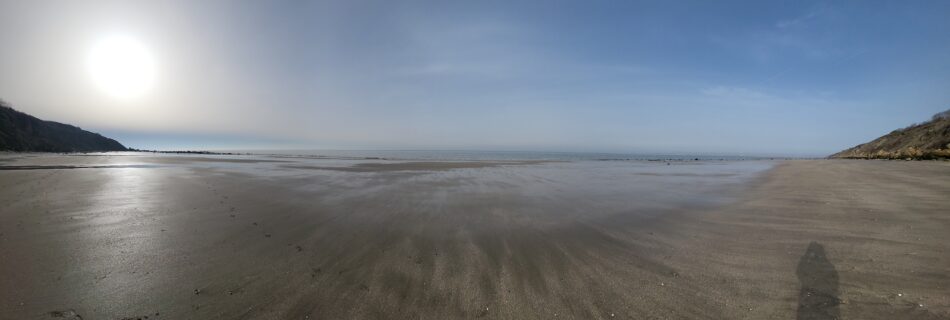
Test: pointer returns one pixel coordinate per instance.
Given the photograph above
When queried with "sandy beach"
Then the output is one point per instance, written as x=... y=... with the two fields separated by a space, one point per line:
x=129 y=236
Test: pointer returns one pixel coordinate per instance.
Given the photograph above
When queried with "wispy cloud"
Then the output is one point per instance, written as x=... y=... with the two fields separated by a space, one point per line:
x=811 y=35
x=736 y=93
x=814 y=13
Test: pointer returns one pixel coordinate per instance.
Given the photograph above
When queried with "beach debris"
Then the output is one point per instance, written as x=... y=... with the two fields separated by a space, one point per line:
x=197 y=291
x=900 y=294
x=66 y=314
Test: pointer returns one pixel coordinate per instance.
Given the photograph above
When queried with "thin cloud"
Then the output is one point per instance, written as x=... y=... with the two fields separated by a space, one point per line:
x=788 y=23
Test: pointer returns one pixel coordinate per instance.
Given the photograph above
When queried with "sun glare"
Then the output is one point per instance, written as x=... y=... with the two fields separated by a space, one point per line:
x=121 y=66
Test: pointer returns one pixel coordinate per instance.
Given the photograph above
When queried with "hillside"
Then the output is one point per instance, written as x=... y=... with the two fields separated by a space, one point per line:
x=928 y=140
x=23 y=132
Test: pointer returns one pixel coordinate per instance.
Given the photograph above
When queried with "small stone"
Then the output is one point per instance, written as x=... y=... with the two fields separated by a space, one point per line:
x=197 y=291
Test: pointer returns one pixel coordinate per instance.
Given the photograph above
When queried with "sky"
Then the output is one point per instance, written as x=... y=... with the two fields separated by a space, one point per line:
x=690 y=77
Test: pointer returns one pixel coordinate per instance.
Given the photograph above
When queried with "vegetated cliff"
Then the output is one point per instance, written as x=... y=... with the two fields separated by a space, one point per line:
x=928 y=140
x=22 y=132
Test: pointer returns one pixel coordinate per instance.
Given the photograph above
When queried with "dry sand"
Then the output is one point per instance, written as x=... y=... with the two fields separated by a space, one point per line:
x=241 y=238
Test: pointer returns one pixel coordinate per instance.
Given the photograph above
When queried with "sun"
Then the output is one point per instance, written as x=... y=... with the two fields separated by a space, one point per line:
x=121 y=66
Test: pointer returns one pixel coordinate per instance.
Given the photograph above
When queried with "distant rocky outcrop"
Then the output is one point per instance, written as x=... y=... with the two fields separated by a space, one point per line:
x=928 y=140
x=23 y=132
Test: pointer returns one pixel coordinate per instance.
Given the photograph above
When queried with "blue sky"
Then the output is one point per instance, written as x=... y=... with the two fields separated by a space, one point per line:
x=756 y=77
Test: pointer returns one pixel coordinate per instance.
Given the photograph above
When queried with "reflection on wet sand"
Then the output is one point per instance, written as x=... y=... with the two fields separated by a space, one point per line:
x=251 y=238
x=449 y=239
x=76 y=167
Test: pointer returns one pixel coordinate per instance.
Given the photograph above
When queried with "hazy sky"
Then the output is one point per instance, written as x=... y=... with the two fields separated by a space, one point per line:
x=755 y=77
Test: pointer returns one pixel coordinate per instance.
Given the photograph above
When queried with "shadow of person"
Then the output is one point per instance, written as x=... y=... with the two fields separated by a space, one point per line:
x=818 y=298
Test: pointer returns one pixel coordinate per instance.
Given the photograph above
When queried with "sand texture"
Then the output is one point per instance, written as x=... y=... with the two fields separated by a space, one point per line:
x=175 y=237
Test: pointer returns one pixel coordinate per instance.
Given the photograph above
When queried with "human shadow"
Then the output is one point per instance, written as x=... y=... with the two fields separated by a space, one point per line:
x=818 y=298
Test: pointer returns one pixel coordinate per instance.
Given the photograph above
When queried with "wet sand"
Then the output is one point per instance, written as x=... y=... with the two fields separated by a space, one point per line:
x=172 y=237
